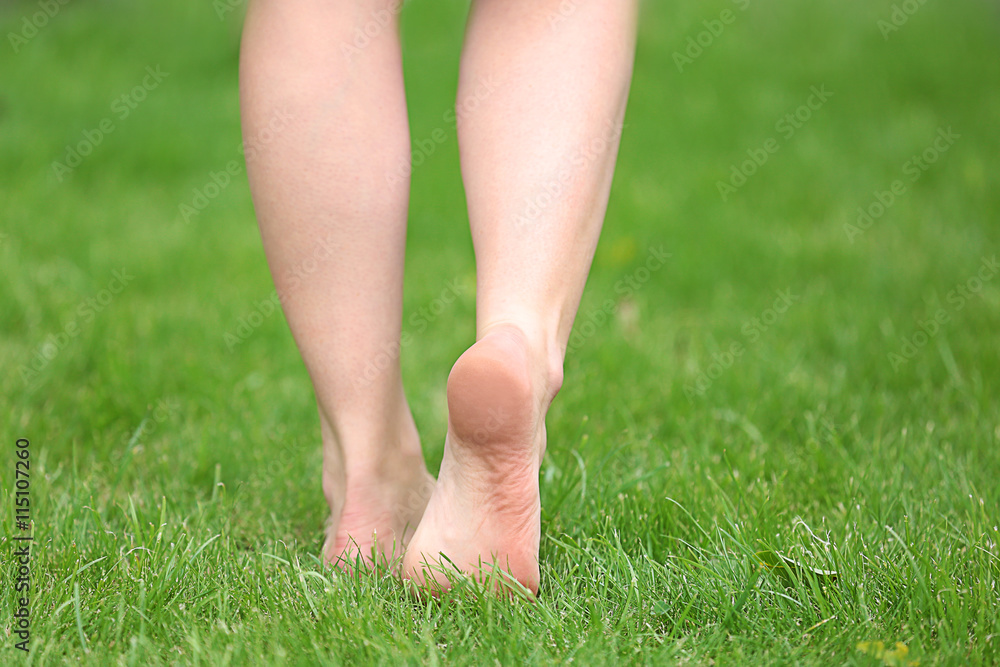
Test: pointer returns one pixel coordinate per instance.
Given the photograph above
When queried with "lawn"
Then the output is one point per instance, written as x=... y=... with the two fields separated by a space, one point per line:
x=812 y=374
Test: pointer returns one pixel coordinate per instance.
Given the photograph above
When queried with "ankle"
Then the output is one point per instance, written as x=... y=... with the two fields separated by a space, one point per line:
x=372 y=481
x=369 y=448
x=545 y=356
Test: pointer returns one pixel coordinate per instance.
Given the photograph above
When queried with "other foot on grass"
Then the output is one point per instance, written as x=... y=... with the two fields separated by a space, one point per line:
x=379 y=513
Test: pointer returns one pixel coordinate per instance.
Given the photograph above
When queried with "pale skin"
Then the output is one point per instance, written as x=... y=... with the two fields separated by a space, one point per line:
x=537 y=154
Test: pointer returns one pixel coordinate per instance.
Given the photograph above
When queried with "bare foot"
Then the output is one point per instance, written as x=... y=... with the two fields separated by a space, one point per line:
x=484 y=516
x=375 y=513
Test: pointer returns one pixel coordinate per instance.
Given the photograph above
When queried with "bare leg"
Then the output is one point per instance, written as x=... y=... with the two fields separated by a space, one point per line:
x=334 y=235
x=538 y=156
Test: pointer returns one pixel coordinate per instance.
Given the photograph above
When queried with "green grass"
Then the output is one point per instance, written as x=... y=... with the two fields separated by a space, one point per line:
x=175 y=487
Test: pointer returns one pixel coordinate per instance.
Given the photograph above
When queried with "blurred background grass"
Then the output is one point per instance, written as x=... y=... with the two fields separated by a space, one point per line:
x=810 y=419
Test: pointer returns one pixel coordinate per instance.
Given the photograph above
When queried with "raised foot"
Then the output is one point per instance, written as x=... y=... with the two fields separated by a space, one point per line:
x=483 y=519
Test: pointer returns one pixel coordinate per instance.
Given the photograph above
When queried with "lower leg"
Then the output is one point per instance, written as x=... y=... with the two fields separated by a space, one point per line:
x=538 y=157
x=334 y=236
